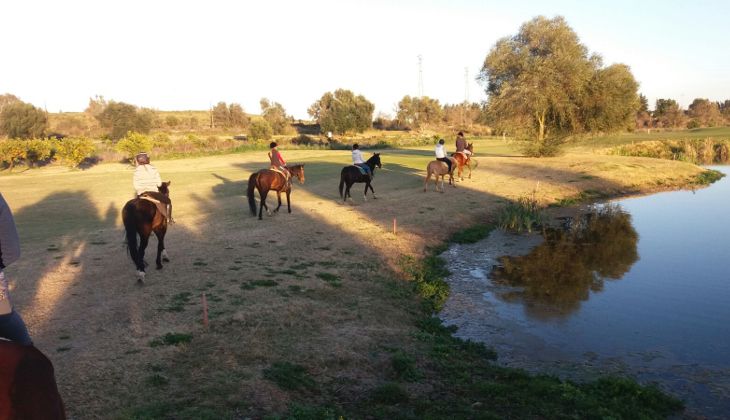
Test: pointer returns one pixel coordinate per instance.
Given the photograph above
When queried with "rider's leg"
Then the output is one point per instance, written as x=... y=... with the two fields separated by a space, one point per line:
x=13 y=328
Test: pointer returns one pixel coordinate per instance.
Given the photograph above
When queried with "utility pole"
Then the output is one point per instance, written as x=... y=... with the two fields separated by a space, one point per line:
x=420 y=76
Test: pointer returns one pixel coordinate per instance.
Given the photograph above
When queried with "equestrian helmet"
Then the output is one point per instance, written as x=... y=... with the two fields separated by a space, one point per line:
x=272 y=145
x=142 y=158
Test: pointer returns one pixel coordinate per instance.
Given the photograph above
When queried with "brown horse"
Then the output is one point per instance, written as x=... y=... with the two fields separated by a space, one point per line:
x=438 y=169
x=27 y=384
x=463 y=159
x=141 y=217
x=266 y=180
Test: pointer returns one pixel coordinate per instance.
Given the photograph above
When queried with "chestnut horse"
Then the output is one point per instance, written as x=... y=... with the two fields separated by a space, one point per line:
x=27 y=384
x=141 y=217
x=438 y=169
x=463 y=159
x=266 y=180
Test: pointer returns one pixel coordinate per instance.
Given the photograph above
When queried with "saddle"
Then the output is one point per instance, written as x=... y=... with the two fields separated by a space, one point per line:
x=161 y=207
x=280 y=172
x=362 y=170
x=466 y=157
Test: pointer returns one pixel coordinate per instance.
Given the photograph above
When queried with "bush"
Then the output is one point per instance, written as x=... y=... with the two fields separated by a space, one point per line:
x=525 y=214
x=38 y=150
x=161 y=140
x=134 y=143
x=260 y=130
x=12 y=152
x=73 y=151
x=22 y=120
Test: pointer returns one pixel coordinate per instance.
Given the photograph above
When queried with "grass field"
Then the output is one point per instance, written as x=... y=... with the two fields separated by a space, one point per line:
x=603 y=142
x=310 y=312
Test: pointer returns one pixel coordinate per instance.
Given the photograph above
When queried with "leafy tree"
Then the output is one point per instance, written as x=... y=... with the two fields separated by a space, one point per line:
x=238 y=117
x=22 y=120
x=668 y=113
x=8 y=99
x=96 y=106
x=463 y=114
x=229 y=116
x=643 y=104
x=342 y=111
x=706 y=113
x=73 y=151
x=415 y=112
x=134 y=143
x=275 y=115
x=260 y=130
x=119 y=118
x=12 y=151
x=542 y=84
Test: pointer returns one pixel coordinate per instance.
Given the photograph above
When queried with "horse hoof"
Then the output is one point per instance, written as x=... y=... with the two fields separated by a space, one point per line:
x=374 y=197
x=140 y=277
x=165 y=259
x=159 y=266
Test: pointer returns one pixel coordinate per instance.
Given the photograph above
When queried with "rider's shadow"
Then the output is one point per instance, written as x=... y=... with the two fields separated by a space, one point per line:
x=229 y=187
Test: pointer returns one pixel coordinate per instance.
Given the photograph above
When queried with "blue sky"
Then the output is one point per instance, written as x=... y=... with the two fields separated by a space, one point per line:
x=190 y=54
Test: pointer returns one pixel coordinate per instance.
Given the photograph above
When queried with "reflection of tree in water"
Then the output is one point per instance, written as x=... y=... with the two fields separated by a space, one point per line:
x=561 y=272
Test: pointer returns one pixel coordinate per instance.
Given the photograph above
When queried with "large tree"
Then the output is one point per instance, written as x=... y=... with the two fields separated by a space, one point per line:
x=415 y=112
x=342 y=111
x=543 y=84
x=119 y=118
x=275 y=114
x=705 y=113
x=668 y=113
x=228 y=116
x=22 y=120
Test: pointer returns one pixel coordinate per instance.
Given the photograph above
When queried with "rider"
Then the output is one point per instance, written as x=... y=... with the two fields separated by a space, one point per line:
x=146 y=182
x=278 y=162
x=358 y=161
x=441 y=154
x=12 y=326
x=461 y=144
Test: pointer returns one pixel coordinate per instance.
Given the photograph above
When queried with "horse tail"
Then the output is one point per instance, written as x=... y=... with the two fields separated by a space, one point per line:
x=251 y=199
x=342 y=182
x=130 y=227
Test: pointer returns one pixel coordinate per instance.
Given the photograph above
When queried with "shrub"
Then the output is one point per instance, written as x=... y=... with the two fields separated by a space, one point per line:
x=134 y=143
x=161 y=140
x=12 y=151
x=289 y=376
x=73 y=151
x=39 y=150
x=22 y=120
x=260 y=130
x=524 y=214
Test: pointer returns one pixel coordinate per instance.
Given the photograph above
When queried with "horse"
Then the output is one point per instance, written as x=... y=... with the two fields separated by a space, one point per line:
x=463 y=159
x=141 y=217
x=266 y=180
x=28 y=387
x=351 y=174
x=438 y=169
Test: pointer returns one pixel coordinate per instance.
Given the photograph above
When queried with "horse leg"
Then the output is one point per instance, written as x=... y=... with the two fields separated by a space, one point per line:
x=160 y=234
x=425 y=183
x=288 y=200
x=263 y=202
x=144 y=239
x=278 y=197
x=365 y=194
x=371 y=189
x=347 y=190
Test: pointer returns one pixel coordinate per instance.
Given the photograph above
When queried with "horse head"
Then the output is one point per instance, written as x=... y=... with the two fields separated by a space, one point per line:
x=165 y=188
x=298 y=172
x=375 y=160
x=470 y=147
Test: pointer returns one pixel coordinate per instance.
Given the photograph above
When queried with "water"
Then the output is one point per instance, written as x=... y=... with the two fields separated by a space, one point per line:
x=642 y=290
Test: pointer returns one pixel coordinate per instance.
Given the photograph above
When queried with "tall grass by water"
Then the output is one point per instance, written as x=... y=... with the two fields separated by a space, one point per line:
x=699 y=151
x=525 y=214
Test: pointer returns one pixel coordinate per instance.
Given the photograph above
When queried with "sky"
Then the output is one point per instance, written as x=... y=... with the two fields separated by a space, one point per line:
x=182 y=55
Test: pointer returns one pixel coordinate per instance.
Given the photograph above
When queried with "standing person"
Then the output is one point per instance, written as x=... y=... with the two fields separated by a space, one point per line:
x=441 y=154
x=277 y=161
x=358 y=160
x=12 y=326
x=461 y=144
x=146 y=181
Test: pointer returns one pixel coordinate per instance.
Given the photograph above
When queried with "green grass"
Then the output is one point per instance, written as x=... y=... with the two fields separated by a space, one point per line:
x=171 y=339
x=290 y=376
x=628 y=138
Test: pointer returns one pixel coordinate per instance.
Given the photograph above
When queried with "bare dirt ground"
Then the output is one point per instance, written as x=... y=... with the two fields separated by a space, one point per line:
x=315 y=287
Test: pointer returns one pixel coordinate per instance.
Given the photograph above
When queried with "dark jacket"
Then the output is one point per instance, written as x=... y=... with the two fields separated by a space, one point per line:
x=9 y=241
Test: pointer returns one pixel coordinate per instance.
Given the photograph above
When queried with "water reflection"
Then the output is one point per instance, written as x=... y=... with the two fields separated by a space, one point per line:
x=555 y=277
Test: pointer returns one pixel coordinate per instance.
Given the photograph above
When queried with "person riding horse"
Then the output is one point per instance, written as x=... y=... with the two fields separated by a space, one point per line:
x=278 y=163
x=12 y=326
x=146 y=182
x=358 y=160
x=461 y=145
x=441 y=154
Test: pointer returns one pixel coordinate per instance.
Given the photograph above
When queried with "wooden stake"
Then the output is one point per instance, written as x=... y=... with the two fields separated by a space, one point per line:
x=395 y=227
x=205 y=311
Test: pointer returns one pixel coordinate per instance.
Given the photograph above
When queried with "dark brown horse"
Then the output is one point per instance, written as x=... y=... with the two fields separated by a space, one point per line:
x=351 y=174
x=267 y=180
x=27 y=384
x=141 y=217
x=463 y=159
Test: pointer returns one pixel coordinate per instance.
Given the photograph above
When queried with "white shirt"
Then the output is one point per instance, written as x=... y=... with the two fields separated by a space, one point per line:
x=146 y=178
x=440 y=152
x=357 y=156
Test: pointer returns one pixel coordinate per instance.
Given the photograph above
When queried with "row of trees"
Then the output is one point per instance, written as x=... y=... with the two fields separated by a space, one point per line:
x=668 y=114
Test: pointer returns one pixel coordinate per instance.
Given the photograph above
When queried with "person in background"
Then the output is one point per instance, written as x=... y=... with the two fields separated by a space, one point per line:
x=12 y=326
x=146 y=182
x=461 y=144
x=358 y=160
x=441 y=154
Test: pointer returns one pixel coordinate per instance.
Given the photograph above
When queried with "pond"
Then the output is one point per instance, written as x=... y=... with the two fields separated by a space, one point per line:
x=637 y=287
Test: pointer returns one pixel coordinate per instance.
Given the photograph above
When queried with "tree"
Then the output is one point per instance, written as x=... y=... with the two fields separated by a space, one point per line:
x=342 y=111
x=238 y=116
x=119 y=118
x=706 y=113
x=22 y=120
x=8 y=99
x=542 y=84
x=96 y=106
x=275 y=115
x=229 y=116
x=134 y=143
x=668 y=113
x=643 y=104
x=415 y=112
